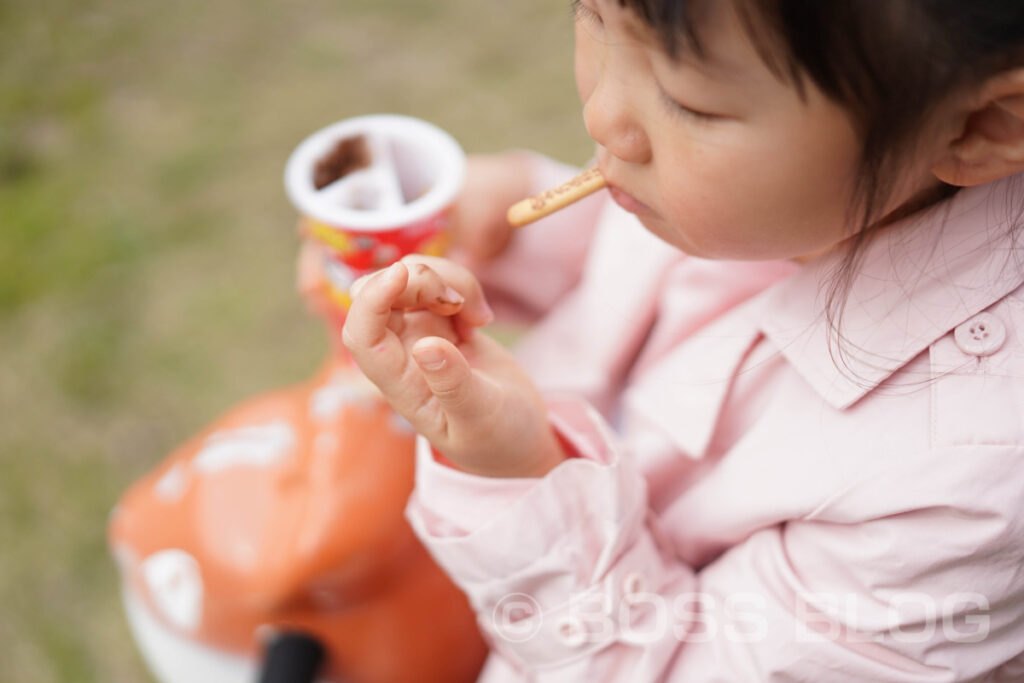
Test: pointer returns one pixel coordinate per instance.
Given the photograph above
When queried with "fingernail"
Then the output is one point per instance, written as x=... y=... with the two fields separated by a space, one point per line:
x=450 y=296
x=430 y=359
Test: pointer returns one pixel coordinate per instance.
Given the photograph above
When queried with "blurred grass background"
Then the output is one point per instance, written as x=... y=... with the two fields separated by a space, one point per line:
x=147 y=246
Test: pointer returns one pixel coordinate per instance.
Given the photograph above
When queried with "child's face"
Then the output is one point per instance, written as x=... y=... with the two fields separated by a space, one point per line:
x=766 y=175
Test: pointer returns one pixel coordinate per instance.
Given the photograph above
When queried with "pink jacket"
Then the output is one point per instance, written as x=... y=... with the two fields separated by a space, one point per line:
x=750 y=501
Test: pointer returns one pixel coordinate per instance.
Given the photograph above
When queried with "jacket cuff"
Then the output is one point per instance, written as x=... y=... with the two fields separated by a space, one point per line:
x=456 y=502
x=576 y=534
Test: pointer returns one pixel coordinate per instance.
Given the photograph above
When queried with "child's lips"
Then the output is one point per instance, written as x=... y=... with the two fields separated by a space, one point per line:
x=628 y=201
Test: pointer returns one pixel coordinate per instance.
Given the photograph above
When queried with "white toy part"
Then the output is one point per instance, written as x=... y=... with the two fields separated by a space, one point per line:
x=174 y=659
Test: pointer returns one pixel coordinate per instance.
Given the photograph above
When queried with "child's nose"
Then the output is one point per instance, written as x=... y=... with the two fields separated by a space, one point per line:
x=614 y=124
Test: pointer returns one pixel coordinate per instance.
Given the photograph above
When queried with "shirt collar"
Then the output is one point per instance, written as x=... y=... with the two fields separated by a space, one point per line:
x=918 y=279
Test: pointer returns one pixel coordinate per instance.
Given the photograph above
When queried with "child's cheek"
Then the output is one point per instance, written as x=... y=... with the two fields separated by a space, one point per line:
x=712 y=214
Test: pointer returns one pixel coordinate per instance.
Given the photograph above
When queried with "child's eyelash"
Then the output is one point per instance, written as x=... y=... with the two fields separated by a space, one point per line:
x=582 y=12
x=681 y=110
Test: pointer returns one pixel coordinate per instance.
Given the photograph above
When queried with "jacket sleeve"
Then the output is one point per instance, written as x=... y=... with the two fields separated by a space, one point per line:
x=544 y=260
x=572 y=580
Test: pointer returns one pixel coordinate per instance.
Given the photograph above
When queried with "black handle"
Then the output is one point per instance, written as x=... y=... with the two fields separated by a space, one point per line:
x=292 y=657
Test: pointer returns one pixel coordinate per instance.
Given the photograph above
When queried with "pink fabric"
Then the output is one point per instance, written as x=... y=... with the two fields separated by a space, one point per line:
x=749 y=503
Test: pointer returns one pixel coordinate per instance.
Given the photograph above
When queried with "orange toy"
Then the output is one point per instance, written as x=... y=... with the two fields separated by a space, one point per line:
x=285 y=516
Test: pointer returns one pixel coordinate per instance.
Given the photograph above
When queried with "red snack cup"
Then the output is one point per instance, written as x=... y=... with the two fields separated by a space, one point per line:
x=396 y=204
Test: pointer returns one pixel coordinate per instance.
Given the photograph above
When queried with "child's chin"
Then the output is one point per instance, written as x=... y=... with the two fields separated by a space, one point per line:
x=671 y=235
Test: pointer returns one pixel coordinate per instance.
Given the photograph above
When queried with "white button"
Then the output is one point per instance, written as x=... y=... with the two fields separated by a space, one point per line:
x=570 y=631
x=982 y=335
x=634 y=584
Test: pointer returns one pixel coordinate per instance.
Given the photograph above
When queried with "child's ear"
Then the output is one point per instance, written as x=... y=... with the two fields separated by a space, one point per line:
x=987 y=140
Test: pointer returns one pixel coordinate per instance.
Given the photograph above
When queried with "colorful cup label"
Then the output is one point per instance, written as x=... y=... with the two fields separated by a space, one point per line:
x=351 y=254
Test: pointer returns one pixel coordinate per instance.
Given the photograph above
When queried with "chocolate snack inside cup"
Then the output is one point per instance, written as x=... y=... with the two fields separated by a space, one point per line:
x=348 y=155
x=373 y=172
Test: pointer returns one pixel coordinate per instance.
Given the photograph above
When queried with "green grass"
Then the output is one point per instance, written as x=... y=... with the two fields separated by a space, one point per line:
x=147 y=250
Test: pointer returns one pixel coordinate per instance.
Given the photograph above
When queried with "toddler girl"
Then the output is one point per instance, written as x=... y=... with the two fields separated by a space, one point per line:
x=769 y=421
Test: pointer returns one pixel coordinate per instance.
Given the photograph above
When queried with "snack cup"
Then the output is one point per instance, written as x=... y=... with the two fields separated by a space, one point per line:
x=372 y=216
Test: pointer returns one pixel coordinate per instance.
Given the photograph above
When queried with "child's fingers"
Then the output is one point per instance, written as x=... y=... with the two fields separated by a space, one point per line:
x=436 y=285
x=427 y=289
x=310 y=276
x=377 y=350
x=424 y=290
x=414 y=325
x=373 y=333
x=475 y=309
x=310 y=280
x=450 y=379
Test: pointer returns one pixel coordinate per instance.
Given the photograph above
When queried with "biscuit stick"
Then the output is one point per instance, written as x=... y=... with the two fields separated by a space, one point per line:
x=532 y=208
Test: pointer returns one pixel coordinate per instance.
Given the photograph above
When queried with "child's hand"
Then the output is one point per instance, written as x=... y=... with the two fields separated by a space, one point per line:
x=412 y=331
x=493 y=183
x=310 y=279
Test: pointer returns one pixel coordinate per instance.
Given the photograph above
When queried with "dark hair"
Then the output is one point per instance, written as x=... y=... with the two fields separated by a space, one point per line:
x=888 y=63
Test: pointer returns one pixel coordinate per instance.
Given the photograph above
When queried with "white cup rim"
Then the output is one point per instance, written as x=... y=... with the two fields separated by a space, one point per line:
x=298 y=173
